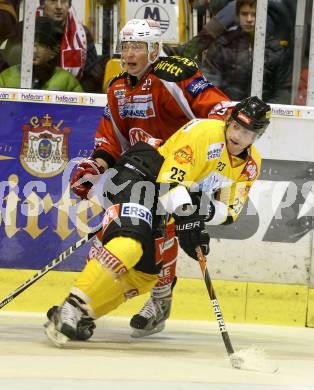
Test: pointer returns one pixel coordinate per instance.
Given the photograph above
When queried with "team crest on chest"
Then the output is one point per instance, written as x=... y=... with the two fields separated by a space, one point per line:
x=184 y=155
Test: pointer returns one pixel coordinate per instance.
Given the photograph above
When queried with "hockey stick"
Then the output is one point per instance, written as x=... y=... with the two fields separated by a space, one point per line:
x=213 y=298
x=250 y=359
x=63 y=255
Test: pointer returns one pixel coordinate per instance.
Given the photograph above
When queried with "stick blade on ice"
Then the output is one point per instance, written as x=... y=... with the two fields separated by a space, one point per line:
x=253 y=359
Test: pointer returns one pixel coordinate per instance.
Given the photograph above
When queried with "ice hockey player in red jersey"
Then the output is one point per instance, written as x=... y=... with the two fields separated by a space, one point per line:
x=151 y=99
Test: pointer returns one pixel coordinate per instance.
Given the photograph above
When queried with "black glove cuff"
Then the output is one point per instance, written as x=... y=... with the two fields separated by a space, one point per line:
x=99 y=153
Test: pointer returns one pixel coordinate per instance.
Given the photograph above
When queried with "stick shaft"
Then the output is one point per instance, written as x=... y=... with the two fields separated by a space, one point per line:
x=63 y=255
x=214 y=301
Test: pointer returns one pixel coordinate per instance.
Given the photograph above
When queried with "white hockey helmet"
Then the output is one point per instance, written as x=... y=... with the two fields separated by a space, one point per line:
x=143 y=30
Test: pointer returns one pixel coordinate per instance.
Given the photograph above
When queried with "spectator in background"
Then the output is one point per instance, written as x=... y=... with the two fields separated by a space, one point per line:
x=228 y=61
x=8 y=18
x=280 y=25
x=8 y=22
x=77 y=52
x=46 y=74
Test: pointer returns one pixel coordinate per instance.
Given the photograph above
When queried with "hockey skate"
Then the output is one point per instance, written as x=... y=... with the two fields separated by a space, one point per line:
x=151 y=318
x=63 y=321
x=85 y=326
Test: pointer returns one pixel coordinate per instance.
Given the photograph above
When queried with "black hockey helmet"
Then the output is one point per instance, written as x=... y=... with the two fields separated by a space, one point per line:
x=253 y=114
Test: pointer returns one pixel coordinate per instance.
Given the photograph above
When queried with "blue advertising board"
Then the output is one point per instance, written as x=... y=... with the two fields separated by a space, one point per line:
x=39 y=146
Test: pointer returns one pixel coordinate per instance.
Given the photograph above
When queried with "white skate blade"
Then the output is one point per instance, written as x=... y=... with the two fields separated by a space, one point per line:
x=57 y=338
x=253 y=359
x=138 y=333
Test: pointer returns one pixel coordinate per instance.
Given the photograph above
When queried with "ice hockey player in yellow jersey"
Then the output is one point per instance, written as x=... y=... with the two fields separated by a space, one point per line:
x=201 y=175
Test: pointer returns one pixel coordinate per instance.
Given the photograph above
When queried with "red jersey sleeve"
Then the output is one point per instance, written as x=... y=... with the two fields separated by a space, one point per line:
x=107 y=145
x=204 y=98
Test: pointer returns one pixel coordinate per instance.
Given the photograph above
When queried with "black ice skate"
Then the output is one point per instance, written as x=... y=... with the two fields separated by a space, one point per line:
x=85 y=326
x=63 y=321
x=151 y=318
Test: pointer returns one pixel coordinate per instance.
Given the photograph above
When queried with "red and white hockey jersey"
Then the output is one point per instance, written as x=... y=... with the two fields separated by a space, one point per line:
x=172 y=92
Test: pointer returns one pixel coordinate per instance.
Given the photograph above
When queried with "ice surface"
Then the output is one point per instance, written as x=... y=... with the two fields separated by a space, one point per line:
x=186 y=355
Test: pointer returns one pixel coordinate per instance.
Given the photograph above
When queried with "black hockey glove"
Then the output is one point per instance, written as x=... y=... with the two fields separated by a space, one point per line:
x=191 y=233
x=204 y=206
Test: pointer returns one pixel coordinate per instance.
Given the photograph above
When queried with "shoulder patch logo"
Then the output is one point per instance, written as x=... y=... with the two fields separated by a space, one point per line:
x=175 y=69
x=198 y=85
x=250 y=170
x=119 y=93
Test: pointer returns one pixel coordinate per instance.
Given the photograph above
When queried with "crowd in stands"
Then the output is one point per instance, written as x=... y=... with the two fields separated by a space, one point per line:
x=223 y=48
x=229 y=59
x=222 y=31
x=74 y=50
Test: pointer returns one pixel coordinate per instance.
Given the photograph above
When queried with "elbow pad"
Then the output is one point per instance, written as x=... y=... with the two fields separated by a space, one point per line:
x=175 y=198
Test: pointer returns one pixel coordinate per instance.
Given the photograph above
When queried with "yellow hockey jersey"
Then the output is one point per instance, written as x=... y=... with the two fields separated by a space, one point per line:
x=196 y=157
